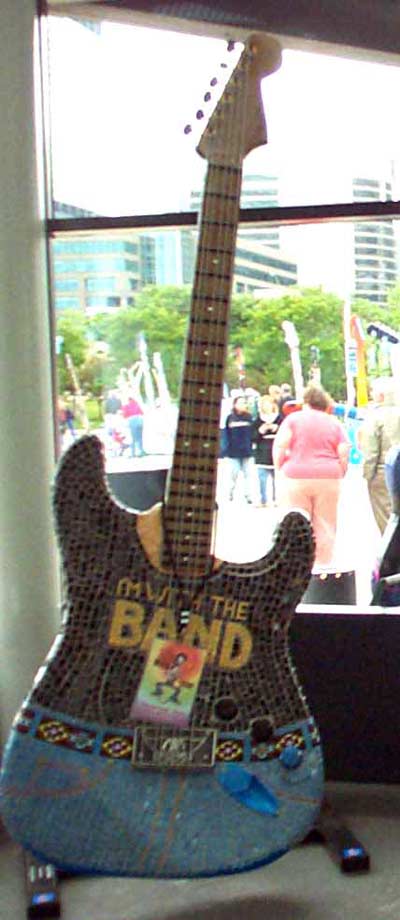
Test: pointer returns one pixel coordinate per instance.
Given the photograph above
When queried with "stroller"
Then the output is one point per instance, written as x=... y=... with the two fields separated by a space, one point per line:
x=120 y=442
x=386 y=574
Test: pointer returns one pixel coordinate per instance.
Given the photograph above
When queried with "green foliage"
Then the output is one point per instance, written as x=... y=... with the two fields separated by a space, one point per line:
x=161 y=314
x=318 y=319
x=378 y=361
x=94 y=412
x=72 y=327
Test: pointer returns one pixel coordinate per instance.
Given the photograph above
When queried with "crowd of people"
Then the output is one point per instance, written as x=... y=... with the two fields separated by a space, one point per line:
x=277 y=453
x=123 y=414
x=301 y=453
x=123 y=421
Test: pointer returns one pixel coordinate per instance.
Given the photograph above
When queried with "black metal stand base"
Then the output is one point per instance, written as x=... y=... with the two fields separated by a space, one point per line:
x=343 y=847
x=43 y=897
x=42 y=893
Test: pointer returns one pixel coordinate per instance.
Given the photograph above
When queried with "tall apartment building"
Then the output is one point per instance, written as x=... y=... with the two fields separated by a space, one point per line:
x=258 y=191
x=260 y=263
x=95 y=274
x=167 y=257
x=375 y=256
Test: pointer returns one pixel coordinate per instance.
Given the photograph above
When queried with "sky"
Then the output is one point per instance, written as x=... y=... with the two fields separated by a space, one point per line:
x=120 y=101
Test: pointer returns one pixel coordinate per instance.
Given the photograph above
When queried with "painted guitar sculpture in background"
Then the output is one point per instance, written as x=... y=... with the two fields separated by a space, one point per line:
x=166 y=734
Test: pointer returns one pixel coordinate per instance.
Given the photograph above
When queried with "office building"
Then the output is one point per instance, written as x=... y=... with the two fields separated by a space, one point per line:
x=375 y=256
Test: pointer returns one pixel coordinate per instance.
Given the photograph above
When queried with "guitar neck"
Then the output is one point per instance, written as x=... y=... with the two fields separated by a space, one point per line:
x=190 y=498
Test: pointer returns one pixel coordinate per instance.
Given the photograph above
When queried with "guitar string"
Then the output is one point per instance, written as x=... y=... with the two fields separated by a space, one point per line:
x=218 y=236
x=233 y=180
x=221 y=208
x=214 y=238
x=188 y=529
x=185 y=432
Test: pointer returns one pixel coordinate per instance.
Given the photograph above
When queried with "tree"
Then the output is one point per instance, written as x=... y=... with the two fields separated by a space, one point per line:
x=378 y=359
x=71 y=327
x=318 y=318
x=161 y=315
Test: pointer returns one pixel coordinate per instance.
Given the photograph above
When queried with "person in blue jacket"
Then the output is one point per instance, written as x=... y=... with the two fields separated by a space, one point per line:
x=239 y=447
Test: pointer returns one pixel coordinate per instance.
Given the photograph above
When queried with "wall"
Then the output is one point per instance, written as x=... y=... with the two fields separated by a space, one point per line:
x=28 y=570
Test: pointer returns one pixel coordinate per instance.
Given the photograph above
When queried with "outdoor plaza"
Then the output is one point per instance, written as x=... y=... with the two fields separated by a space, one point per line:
x=244 y=532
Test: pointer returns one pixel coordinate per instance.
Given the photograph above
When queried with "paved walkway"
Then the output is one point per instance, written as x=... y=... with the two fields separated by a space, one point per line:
x=245 y=531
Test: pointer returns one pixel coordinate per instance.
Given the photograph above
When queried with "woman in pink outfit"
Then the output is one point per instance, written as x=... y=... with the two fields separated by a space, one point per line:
x=311 y=454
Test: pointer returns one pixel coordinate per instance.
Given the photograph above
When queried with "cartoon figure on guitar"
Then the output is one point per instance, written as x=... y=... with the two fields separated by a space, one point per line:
x=172 y=678
x=233 y=776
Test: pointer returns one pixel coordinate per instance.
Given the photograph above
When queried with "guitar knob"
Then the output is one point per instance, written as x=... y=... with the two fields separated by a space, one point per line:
x=261 y=730
x=226 y=709
x=291 y=757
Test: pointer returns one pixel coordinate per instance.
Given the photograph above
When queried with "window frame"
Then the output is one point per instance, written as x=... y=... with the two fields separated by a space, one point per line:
x=260 y=218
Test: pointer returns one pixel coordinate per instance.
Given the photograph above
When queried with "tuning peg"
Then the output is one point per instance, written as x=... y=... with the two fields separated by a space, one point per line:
x=214 y=81
x=187 y=129
x=231 y=45
x=207 y=97
x=199 y=114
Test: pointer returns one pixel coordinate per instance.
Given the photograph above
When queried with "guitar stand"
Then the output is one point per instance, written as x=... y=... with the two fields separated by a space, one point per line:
x=343 y=847
x=42 y=892
x=43 y=896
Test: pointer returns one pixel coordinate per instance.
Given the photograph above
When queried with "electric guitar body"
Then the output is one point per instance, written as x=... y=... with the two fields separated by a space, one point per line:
x=166 y=734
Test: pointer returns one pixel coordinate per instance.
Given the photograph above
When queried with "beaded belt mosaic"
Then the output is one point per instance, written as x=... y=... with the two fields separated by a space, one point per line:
x=121 y=746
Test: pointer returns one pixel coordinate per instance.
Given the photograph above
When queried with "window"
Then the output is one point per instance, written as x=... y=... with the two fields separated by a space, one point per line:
x=319 y=240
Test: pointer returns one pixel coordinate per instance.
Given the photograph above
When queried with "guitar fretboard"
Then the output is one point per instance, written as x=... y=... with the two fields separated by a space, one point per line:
x=189 y=508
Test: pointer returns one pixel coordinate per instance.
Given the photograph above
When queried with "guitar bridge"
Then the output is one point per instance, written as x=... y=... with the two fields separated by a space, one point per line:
x=159 y=748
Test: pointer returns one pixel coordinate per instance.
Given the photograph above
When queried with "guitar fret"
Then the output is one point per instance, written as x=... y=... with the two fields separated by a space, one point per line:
x=188 y=547
x=199 y=343
x=217 y=322
x=192 y=479
x=190 y=505
x=209 y=364
x=222 y=195
x=191 y=381
x=176 y=525
x=214 y=298
x=214 y=250
x=201 y=472
x=186 y=510
x=200 y=401
x=195 y=435
x=230 y=170
x=231 y=224
x=200 y=273
x=202 y=537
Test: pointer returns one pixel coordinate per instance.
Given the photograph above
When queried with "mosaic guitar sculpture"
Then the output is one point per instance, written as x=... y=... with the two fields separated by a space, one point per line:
x=166 y=734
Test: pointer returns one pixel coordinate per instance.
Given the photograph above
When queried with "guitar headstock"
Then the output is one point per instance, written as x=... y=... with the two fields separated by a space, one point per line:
x=237 y=124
